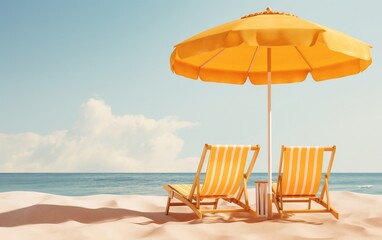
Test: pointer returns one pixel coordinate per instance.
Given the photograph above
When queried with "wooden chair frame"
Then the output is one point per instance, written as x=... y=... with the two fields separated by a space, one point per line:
x=324 y=199
x=195 y=201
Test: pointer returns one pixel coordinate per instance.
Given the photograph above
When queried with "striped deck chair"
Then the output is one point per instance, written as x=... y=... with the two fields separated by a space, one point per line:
x=299 y=179
x=225 y=179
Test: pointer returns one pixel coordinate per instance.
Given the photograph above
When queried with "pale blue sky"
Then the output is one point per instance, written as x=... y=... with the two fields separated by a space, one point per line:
x=57 y=56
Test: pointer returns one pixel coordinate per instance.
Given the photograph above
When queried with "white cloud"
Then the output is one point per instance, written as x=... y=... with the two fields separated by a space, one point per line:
x=100 y=142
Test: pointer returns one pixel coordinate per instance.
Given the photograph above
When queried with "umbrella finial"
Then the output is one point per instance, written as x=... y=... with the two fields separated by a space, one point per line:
x=268 y=11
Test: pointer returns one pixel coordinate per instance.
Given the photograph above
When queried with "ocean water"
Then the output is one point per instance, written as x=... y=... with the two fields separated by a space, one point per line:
x=81 y=184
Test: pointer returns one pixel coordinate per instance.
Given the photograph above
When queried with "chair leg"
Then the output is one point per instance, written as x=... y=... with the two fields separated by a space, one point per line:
x=170 y=196
x=216 y=203
x=279 y=208
x=334 y=213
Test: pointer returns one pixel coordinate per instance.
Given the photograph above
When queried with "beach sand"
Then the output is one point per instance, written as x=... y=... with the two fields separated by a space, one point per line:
x=33 y=215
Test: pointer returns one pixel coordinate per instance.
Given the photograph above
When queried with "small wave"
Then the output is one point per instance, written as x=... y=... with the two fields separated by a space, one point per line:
x=365 y=186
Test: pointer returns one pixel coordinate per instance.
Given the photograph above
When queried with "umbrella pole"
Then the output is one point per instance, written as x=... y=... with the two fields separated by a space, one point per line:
x=269 y=78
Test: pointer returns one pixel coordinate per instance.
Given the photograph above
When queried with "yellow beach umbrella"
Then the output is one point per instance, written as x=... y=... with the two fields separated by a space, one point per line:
x=269 y=48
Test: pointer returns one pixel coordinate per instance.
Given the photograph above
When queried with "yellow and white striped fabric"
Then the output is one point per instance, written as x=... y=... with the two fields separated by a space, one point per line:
x=224 y=173
x=302 y=168
x=225 y=170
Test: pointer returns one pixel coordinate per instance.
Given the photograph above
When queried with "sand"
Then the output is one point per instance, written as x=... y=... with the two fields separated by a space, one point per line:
x=33 y=215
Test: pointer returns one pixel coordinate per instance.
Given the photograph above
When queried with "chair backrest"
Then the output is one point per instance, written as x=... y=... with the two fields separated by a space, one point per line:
x=225 y=169
x=301 y=170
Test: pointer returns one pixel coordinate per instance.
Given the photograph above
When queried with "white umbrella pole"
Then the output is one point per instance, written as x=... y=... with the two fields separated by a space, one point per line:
x=269 y=77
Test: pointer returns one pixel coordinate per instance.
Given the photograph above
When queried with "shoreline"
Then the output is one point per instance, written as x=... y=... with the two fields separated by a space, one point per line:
x=35 y=215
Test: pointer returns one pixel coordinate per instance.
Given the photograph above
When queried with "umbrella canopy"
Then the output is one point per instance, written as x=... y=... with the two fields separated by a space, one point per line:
x=269 y=48
x=237 y=51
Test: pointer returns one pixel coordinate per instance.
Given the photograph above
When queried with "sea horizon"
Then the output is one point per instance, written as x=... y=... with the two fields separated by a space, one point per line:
x=136 y=183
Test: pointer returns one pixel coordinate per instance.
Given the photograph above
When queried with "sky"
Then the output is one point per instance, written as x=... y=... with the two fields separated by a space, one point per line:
x=86 y=86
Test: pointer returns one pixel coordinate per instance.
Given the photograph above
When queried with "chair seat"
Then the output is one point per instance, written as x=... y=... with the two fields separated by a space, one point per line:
x=182 y=189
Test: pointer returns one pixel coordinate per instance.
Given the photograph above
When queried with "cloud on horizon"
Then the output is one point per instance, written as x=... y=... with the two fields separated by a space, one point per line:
x=100 y=142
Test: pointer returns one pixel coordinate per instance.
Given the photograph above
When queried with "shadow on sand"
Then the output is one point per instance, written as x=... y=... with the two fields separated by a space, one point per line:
x=55 y=214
